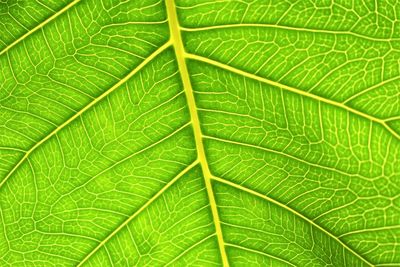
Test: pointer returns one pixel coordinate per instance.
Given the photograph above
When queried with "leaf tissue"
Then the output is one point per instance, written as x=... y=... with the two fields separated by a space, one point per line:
x=200 y=133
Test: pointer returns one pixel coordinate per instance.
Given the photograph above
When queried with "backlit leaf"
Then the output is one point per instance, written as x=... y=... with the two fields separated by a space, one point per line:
x=199 y=133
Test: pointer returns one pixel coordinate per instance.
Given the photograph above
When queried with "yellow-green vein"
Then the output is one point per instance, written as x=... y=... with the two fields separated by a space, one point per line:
x=148 y=203
x=257 y=194
x=176 y=40
x=91 y=104
x=292 y=89
x=39 y=26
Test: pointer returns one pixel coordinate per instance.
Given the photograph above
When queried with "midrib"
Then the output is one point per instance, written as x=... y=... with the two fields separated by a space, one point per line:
x=176 y=40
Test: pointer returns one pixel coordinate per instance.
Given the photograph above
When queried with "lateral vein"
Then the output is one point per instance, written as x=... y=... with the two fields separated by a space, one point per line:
x=293 y=90
x=176 y=40
x=142 y=208
x=271 y=200
x=91 y=104
x=290 y=28
x=40 y=25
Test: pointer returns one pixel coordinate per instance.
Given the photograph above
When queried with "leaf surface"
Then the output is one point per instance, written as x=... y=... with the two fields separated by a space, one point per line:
x=199 y=133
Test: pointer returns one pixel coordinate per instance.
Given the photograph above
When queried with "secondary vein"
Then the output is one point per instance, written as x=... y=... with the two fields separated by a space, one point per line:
x=148 y=203
x=39 y=26
x=311 y=222
x=91 y=104
x=290 y=28
x=292 y=89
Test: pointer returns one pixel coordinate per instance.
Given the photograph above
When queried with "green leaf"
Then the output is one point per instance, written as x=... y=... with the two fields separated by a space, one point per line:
x=199 y=133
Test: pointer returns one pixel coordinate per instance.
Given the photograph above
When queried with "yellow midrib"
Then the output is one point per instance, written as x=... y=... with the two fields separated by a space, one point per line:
x=176 y=40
